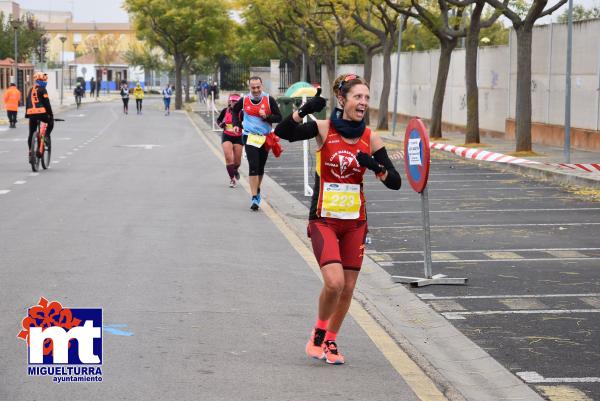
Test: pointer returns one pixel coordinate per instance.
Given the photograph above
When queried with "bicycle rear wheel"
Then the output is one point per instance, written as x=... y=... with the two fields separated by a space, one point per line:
x=47 y=152
x=34 y=160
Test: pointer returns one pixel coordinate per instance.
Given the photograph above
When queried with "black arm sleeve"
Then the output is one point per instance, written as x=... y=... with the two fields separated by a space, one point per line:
x=235 y=111
x=43 y=95
x=393 y=180
x=221 y=117
x=275 y=116
x=292 y=131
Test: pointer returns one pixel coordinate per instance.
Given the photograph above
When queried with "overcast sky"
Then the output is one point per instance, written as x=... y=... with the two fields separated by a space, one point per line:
x=111 y=11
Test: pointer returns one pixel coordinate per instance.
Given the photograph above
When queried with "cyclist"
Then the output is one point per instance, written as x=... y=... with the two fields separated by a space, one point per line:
x=125 y=97
x=138 y=93
x=260 y=110
x=78 y=92
x=338 y=219
x=231 y=141
x=167 y=93
x=37 y=106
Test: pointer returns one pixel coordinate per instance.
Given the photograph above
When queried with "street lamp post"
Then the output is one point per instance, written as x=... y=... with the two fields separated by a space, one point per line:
x=75 y=44
x=62 y=68
x=15 y=24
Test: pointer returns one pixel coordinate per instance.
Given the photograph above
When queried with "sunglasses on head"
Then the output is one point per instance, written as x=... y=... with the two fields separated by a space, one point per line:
x=347 y=78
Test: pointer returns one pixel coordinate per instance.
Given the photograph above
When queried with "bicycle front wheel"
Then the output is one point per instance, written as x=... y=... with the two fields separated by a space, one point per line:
x=34 y=160
x=47 y=152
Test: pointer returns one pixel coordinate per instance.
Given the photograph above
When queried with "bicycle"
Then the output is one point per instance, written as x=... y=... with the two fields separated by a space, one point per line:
x=41 y=147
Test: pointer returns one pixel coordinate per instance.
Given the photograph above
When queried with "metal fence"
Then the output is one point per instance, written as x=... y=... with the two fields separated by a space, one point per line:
x=233 y=75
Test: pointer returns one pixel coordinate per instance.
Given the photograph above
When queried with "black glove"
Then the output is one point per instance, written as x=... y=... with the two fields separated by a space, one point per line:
x=314 y=105
x=369 y=162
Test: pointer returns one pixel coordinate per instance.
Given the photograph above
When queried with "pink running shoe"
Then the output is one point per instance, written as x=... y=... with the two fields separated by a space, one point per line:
x=314 y=347
x=332 y=354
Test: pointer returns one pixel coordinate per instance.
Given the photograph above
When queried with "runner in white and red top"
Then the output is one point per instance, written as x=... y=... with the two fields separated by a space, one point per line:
x=231 y=141
x=338 y=219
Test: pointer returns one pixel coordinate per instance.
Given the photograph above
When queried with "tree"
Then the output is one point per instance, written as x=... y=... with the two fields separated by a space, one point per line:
x=445 y=23
x=386 y=32
x=104 y=48
x=523 y=21
x=471 y=49
x=30 y=37
x=150 y=59
x=181 y=28
x=580 y=13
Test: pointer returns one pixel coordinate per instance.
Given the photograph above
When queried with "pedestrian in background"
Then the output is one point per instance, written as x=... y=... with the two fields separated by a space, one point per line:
x=167 y=93
x=92 y=87
x=138 y=93
x=11 y=104
x=125 y=96
x=98 y=86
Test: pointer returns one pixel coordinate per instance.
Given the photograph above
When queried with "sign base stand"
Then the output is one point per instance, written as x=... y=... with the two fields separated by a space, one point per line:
x=423 y=281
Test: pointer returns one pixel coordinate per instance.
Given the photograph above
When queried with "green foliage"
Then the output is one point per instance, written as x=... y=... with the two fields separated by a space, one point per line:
x=183 y=28
x=580 y=13
x=151 y=59
x=30 y=35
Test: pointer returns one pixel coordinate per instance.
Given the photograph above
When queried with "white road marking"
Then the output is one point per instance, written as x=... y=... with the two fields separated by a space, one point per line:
x=408 y=262
x=491 y=198
x=569 y=209
x=69 y=153
x=146 y=146
x=594 y=302
x=432 y=296
x=523 y=303
x=480 y=189
x=34 y=174
x=56 y=161
x=534 y=377
x=412 y=228
x=20 y=182
x=63 y=157
x=461 y=315
x=549 y=250
x=3 y=151
x=4 y=191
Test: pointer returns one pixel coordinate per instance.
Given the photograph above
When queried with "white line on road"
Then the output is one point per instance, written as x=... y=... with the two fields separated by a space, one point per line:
x=408 y=262
x=34 y=174
x=56 y=161
x=534 y=377
x=20 y=182
x=507 y=188
x=432 y=296
x=410 y=228
x=4 y=191
x=568 y=209
x=491 y=198
x=493 y=250
x=461 y=315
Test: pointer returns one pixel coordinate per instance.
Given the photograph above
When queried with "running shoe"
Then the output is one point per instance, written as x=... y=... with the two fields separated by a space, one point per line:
x=314 y=346
x=332 y=354
x=258 y=197
x=255 y=203
x=232 y=183
x=237 y=175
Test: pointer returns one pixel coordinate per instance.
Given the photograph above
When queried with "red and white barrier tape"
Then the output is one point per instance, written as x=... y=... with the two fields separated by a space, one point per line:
x=486 y=155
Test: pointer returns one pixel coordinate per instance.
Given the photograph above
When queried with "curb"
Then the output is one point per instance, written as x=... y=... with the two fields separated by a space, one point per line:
x=460 y=368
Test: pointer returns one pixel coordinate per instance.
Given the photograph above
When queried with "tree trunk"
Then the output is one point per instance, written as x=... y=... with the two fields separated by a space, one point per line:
x=312 y=69
x=187 y=84
x=178 y=58
x=367 y=72
x=382 y=117
x=446 y=48
x=472 y=47
x=523 y=103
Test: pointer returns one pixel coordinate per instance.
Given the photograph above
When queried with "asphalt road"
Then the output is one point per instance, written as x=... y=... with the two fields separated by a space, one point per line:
x=530 y=250
x=201 y=299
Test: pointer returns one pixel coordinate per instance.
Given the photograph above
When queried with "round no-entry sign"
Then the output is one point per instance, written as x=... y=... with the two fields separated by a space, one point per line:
x=416 y=154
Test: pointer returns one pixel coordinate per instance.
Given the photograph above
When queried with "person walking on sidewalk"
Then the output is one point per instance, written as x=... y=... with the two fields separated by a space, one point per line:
x=231 y=141
x=11 y=104
x=338 y=219
x=260 y=110
x=98 y=87
x=125 y=97
x=138 y=93
x=167 y=93
x=92 y=87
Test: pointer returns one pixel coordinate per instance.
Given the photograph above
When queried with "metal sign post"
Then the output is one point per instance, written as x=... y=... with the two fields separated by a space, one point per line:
x=416 y=162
